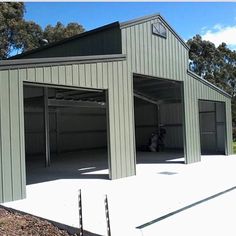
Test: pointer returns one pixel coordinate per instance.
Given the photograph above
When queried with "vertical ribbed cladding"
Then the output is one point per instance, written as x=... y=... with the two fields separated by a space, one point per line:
x=168 y=58
x=152 y=55
x=5 y=135
x=187 y=108
x=229 y=129
x=21 y=132
x=1 y=157
x=129 y=102
x=193 y=91
x=15 y=142
x=111 y=76
x=191 y=121
x=114 y=77
x=115 y=104
x=12 y=161
x=121 y=120
x=170 y=115
x=147 y=54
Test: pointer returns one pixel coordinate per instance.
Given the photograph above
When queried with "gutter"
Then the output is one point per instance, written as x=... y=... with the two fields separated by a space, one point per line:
x=37 y=62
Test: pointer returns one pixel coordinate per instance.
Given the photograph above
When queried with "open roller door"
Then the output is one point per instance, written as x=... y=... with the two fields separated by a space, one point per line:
x=158 y=111
x=65 y=133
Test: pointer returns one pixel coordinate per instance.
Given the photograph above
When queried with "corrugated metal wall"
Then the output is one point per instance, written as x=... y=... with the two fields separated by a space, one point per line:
x=170 y=117
x=149 y=54
x=12 y=154
x=146 y=122
x=148 y=117
x=70 y=129
x=107 y=75
x=193 y=91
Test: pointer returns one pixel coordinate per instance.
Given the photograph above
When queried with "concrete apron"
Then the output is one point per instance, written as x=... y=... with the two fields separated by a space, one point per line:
x=157 y=190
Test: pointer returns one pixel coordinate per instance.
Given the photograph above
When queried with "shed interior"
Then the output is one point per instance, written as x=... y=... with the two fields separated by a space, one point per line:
x=77 y=128
x=158 y=110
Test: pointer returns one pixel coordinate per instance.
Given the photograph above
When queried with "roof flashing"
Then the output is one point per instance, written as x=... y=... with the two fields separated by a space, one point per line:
x=139 y=20
x=38 y=62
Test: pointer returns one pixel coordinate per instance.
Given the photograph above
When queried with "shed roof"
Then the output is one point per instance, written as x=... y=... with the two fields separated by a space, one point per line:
x=105 y=27
x=66 y=40
x=22 y=63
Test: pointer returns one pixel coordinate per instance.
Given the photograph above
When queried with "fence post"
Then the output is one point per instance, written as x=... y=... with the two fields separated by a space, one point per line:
x=107 y=216
x=81 y=232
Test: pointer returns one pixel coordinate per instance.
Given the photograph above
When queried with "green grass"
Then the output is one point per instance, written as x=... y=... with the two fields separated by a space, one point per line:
x=234 y=147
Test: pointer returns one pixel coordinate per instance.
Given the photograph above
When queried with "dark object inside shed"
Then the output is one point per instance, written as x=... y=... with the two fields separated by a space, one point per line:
x=158 y=111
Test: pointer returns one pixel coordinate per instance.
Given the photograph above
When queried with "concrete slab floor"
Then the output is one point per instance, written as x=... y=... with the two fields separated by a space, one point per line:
x=158 y=189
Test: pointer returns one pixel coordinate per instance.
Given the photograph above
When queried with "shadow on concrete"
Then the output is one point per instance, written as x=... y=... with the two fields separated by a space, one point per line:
x=77 y=165
x=168 y=156
x=91 y=164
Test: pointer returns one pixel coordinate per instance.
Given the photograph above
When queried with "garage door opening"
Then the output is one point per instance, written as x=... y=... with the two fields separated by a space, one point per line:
x=158 y=111
x=65 y=134
x=212 y=127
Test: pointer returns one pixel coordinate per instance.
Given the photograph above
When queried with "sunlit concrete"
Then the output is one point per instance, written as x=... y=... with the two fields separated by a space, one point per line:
x=161 y=186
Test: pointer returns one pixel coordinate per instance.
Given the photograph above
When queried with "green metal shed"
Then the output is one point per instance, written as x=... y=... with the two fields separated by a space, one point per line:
x=143 y=62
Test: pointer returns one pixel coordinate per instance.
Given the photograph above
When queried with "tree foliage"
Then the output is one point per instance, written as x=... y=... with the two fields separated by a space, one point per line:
x=11 y=20
x=17 y=34
x=31 y=36
x=59 y=31
x=215 y=64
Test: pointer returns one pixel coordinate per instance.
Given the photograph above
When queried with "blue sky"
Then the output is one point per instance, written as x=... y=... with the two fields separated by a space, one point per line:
x=214 y=21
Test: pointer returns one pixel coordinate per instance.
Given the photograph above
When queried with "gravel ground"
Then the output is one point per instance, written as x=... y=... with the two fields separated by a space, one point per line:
x=15 y=224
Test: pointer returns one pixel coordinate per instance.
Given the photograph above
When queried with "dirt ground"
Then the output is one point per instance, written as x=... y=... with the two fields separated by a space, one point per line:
x=15 y=224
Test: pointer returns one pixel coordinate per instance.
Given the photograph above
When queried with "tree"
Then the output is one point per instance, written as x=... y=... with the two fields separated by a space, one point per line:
x=11 y=19
x=217 y=65
x=201 y=53
x=19 y=35
x=30 y=36
x=59 y=31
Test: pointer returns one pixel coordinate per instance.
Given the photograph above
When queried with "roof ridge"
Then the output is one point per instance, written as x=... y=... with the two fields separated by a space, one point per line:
x=139 y=19
x=153 y=16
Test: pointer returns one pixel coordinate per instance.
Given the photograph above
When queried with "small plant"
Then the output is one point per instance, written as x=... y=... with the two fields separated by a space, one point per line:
x=234 y=147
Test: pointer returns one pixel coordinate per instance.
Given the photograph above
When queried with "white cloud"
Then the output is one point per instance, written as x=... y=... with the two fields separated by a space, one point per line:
x=220 y=33
x=217 y=27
